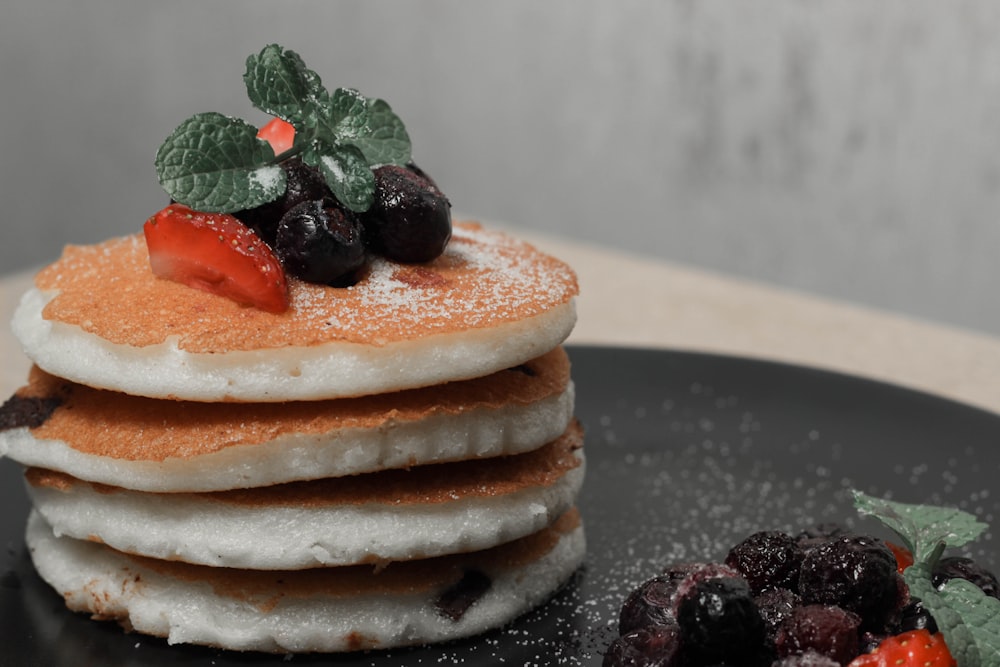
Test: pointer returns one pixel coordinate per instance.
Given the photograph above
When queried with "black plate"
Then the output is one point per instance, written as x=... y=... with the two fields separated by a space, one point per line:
x=687 y=454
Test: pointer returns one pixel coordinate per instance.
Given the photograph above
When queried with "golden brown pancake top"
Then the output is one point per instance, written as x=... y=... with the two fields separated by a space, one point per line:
x=119 y=426
x=483 y=279
x=427 y=484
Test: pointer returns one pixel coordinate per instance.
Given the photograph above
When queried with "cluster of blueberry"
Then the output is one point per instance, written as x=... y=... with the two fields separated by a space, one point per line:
x=319 y=240
x=821 y=599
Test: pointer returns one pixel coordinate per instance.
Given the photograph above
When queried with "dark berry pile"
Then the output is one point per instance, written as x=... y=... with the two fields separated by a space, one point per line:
x=319 y=240
x=820 y=598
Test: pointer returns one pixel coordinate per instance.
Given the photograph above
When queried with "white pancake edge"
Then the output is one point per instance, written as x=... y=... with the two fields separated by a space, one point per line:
x=196 y=529
x=97 y=580
x=478 y=433
x=332 y=370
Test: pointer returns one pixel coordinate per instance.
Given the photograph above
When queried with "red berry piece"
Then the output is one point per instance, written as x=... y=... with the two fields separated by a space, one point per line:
x=904 y=558
x=216 y=253
x=280 y=134
x=916 y=648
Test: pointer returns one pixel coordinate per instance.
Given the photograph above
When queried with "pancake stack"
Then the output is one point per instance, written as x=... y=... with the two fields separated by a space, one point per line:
x=386 y=464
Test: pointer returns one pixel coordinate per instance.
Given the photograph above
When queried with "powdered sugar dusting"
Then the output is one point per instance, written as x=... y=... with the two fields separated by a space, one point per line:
x=483 y=279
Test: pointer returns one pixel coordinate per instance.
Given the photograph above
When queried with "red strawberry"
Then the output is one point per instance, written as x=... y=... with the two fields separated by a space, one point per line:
x=904 y=558
x=280 y=134
x=916 y=648
x=217 y=253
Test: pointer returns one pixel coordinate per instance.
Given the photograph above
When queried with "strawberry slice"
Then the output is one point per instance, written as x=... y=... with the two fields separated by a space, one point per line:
x=916 y=648
x=904 y=558
x=216 y=253
x=280 y=134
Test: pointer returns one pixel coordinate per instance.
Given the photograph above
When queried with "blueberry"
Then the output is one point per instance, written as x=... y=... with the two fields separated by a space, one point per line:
x=651 y=603
x=303 y=183
x=958 y=567
x=767 y=559
x=654 y=646
x=857 y=573
x=806 y=659
x=916 y=617
x=776 y=605
x=820 y=534
x=824 y=629
x=719 y=621
x=321 y=242
x=410 y=219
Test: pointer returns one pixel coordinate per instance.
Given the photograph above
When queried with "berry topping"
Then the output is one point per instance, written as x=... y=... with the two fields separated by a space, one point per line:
x=807 y=659
x=655 y=646
x=651 y=603
x=409 y=219
x=768 y=559
x=904 y=558
x=27 y=411
x=916 y=617
x=958 y=567
x=857 y=573
x=320 y=242
x=851 y=605
x=916 y=648
x=823 y=629
x=719 y=621
x=279 y=133
x=776 y=605
x=302 y=183
x=348 y=151
x=216 y=253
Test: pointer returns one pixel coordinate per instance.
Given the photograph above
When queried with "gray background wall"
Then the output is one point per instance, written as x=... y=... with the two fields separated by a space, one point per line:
x=847 y=148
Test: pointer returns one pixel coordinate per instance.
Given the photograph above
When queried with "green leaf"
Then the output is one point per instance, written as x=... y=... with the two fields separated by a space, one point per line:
x=279 y=83
x=215 y=163
x=981 y=615
x=965 y=615
x=385 y=140
x=338 y=117
x=219 y=165
x=346 y=172
x=348 y=112
x=922 y=527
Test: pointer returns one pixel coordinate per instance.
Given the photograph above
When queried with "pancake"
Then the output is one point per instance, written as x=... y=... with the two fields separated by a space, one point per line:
x=320 y=610
x=375 y=518
x=98 y=316
x=173 y=446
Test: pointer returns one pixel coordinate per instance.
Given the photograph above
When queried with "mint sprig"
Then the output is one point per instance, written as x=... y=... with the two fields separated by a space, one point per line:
x=967 y=617
x=215 y=163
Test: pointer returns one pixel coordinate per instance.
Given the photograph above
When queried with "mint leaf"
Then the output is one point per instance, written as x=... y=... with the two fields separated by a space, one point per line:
x=348 y=113
x=279 y=83
x=346 y=173
x=214 y=163
x=922 y=527
x=980 y=613
x=385 y=140
x=965 y=615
